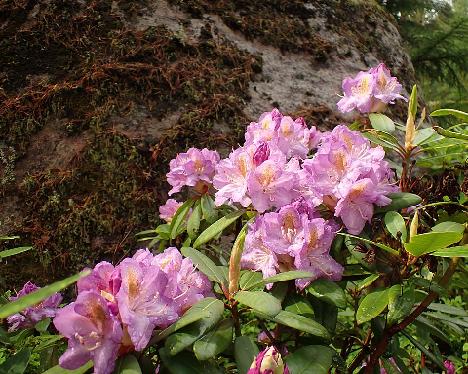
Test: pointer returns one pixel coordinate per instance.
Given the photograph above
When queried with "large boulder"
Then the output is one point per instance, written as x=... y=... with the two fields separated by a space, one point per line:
x=96 y=98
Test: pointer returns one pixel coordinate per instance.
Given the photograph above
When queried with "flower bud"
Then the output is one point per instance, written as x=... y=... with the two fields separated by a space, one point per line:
x=268 y=361
x=261 y=154
x=449 y=367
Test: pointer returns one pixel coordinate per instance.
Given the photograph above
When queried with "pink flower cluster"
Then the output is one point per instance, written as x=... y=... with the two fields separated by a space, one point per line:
x=32 y=315
x=264 y=172
x=294 y=238
x=349 y=176
x=117 y=308
x=194 y=168
x=370 y=91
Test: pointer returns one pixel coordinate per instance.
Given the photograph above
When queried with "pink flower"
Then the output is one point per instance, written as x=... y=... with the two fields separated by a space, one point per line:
x=104 y=280
x=370 y=91
x=265 y=129
x=33 y=314
x=142 y=305
x=185 y=285
x=231 y=177
x=314 y=255
x=195 y=168
x=168 y=210
x=273 y=184
x=387 y=88
x=93 y=333
x=358 y=93
x=269 y=361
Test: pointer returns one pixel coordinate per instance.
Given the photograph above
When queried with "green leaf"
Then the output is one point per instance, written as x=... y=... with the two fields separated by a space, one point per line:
x=43 y=325
x=302 y=323
x=208 y=208
x=426 y=324
x=18 y=363
x=186 y=363
x=59 y=370
x=245 y=352
x=193 y=223
x=251 y=279
x=448 y=309
x=204 y=264
x=424 y=243
x=186 y=336
x=329 y=292
x=260 y=301
x=366 y=282
x=372 y=305
x=450 y=112
x=423 y=136
x=13 y=251
x=311 y=359
x=379 y=245
x=179 y=217
x=449 y=226
x=37 y=296
x=3 y=238
x=458 y=251
x=450 y=134
x=381 y=122
x=400 y=200
x=195 y=313
x=127 y=365
x=217 y=227
x=396 y=224
x=215 y=342
x=298 y=304
x=284 y=277
x=423 y=349
x=400 y=306
x=378 y=139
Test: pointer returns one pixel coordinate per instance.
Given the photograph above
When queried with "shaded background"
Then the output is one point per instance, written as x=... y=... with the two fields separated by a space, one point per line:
x=96 y=97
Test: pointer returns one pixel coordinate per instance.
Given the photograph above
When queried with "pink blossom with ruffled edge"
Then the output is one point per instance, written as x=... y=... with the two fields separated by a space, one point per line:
x=273 y=184
x=269 y=361
x=233 y=173
x=387 y=88
x=265 y=129
x=169 y=209
x=141 y=301
x=370 y=91
x=231 y=177
x=294 y=138
x=105 y=280
x=257 y=255
x=93 y=333
x=314 y=255
x=185 y=285
x=358 y=93
x=32 y=315
x=194 y=168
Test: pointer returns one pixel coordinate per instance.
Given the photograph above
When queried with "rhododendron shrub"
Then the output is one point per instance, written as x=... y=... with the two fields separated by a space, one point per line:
x=299 y=251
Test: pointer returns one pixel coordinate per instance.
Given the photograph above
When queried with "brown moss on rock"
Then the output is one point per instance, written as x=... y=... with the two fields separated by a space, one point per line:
x=73 y=71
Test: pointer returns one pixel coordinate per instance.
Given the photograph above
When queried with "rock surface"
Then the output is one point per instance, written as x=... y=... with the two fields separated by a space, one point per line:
x=96 y=98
